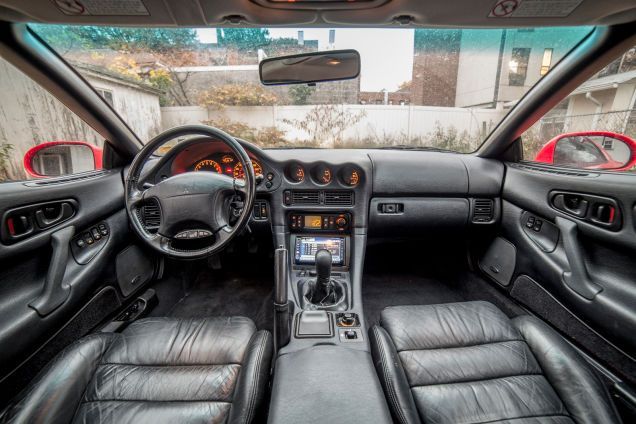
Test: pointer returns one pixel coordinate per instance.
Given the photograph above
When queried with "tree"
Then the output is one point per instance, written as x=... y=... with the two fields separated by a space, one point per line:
x=237 y=95
x=243 y=38
x=326 y=124
x=300 y=93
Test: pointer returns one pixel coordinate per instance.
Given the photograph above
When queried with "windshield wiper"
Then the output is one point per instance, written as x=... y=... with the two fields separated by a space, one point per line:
x=411 y=147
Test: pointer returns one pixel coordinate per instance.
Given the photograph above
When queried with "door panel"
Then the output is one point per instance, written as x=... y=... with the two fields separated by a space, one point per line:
x=591 y=271
x=43 y=282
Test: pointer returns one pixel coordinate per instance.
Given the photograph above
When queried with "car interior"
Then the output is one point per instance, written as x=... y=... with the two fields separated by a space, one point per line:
x=195 y=274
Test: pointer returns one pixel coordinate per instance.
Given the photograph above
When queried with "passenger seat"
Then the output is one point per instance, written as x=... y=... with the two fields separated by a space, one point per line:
x=469 y=363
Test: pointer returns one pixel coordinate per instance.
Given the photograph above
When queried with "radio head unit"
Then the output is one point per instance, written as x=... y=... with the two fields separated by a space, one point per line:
x=306 y=248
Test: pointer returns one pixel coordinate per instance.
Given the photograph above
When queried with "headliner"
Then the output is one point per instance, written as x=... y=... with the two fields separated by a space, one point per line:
x=369 y=13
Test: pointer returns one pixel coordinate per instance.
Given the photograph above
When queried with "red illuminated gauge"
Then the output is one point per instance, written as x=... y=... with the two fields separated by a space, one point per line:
x=296 y=173
x=322 y=174
x=239 y=174
x=208 y=165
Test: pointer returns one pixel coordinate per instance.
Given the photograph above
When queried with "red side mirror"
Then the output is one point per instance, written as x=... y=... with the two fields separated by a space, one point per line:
x=55 y=158
x=590 y=150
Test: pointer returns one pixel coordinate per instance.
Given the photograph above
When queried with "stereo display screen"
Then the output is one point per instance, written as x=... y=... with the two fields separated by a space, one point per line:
x=306 y=248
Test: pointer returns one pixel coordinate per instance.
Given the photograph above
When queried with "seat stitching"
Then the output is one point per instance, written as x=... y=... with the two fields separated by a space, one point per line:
x=478 y=380
x=461 y=347
x=387 y=376
x=524 y=417
x=155 y=401
x=170 y=365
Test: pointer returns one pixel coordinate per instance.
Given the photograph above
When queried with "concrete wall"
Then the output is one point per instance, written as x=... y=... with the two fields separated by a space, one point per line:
x=393 y=124
x=138 y=107
x=29 y=116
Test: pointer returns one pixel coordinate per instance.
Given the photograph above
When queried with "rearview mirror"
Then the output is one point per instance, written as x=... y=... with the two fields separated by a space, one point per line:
x=309 y=68
x=58 y=158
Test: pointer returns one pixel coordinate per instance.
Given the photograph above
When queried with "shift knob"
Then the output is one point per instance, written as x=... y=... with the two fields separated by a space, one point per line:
x=323 y=266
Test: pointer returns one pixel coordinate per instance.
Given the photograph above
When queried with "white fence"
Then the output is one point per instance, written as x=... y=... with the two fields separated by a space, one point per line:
x=378 y=123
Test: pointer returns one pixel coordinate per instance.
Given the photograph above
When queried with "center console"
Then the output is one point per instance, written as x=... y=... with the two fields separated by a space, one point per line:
x=320 y=334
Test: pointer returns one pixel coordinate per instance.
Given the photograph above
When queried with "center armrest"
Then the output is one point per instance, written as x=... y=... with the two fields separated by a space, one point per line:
x=327 y=383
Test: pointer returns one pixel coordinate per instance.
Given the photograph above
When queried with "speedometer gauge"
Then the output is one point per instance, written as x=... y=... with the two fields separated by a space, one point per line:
x=239 y=173
x=208 y=165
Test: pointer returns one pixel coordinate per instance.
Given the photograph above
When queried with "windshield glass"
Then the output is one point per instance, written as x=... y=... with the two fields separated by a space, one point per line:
x=423 y=88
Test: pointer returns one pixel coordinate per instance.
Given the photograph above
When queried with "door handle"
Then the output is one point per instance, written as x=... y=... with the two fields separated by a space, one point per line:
x=577 y=278
x=54 y=293
x=53 y=214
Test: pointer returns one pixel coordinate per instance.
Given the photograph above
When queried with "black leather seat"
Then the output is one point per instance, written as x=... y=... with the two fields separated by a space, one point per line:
x=159 y=370
x=469 y=363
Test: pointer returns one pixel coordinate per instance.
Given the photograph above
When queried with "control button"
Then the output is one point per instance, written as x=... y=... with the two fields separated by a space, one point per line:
x=341 y=222
x=257 y=212
x=287 y=197
x=102 y=226
x=263 y=211
x=88 y=239
x=204 y=233
x=537 y=225
x=96 y=235
x=103 y=232
x=80 y=243
x=269 y=184
x=530 y=222
x=270 y=176
x=351 y=335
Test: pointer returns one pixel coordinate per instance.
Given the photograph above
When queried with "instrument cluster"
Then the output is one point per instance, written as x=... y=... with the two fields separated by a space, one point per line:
x=225 y=163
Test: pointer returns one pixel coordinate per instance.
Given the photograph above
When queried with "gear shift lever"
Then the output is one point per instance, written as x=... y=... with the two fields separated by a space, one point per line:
x=323 y=267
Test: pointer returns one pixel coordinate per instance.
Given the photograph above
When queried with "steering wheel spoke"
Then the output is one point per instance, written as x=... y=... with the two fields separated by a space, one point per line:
x=217 y=201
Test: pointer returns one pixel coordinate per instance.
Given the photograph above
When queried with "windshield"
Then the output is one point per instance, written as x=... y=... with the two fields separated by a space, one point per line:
x=424 y=88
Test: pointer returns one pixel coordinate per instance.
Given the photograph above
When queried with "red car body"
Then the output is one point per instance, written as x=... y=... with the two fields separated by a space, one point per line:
x=546 y=154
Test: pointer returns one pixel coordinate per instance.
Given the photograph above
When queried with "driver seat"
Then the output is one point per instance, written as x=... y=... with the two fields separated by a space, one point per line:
x=159 y=370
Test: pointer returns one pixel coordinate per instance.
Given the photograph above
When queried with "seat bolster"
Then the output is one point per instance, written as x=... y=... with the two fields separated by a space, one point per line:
x=54 y=395
x=254 y=375
x=392 y=377
x=575 y=381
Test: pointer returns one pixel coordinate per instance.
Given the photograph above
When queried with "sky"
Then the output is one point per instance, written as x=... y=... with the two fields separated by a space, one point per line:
x=387 y=54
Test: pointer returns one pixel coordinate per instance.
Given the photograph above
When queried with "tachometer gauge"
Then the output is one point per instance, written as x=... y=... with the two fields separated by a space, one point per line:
x=208 y=165
x=322 y=174
x=239 y=173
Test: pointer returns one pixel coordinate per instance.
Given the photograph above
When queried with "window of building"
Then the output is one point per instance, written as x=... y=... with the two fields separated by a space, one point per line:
x=546 y=62
x=106 y=94
x=518 y=66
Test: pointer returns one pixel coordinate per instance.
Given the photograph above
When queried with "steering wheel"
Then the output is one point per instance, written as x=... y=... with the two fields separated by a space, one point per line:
x=206 y=208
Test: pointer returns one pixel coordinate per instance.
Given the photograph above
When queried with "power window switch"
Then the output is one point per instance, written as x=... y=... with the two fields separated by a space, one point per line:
x=530 y=222
x=537 y=225
x=80 y=243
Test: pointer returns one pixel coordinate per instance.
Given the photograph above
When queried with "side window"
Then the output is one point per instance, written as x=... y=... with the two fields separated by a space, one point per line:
x=39 y=136
x=595 y=126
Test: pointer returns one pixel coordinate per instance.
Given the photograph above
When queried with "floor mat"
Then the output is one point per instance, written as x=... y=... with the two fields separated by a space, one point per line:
x=229 y=295
x=390 y=289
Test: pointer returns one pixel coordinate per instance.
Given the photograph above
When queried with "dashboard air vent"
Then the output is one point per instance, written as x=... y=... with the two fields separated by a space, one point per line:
x=151 y=216
x=338 y=198
x=305 y=197
x=483 y=210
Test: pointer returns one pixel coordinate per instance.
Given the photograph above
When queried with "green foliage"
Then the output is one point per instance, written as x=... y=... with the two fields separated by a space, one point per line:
x=300 y=93
x=237 y=95
x=243 y=38
x=449 y=138
x=67 y=37
x=5 y=160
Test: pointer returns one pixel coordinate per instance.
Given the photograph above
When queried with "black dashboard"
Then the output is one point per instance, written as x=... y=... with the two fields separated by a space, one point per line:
x=384 y=191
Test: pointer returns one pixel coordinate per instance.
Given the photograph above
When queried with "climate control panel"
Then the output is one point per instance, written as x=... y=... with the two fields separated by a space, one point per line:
x=319 y=222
